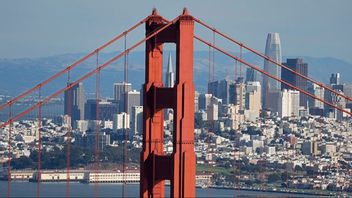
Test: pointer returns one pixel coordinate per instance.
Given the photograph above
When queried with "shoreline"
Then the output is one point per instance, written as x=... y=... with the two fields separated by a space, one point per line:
x=327 y=194
x=281 y=191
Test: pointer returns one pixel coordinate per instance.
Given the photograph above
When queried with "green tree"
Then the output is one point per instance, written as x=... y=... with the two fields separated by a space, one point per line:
x=274 y=177
x=21 y=163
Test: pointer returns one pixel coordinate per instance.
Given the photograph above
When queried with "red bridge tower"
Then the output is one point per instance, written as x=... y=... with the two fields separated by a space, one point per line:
x=179 y=167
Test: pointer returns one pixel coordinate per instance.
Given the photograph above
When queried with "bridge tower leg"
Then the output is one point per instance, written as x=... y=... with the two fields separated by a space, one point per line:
x=156 y=166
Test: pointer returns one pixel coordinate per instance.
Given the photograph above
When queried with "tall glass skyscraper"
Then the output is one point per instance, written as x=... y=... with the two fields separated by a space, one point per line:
x=272 y=50
x=74 y=100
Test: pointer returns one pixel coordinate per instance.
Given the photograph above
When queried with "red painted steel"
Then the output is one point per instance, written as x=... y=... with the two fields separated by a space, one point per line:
x=156 y=167
x=125 y=130
x=9 y=154
x=68 y=137
x=271 y=76
x=272 y=61
x=179 y=167
x=97 y=127
x=69 y=68
x=89 y=74
x=39 y=144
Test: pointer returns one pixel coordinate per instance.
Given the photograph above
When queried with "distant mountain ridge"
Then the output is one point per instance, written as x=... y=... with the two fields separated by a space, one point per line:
x=18 y=75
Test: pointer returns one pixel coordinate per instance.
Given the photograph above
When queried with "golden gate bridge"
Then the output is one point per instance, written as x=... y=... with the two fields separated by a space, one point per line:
x=155 y=166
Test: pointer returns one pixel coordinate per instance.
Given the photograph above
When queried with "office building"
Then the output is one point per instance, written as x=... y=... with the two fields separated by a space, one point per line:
x=234 y=115
x=88 y=140
x=121 y=121
x=285 y=103
x=82 y=125
x=288 y=104
x=238 y=93
x=213 y=109
x=335 y=79
x=310 y=148
x=317 y=91
x=196 y=101
x=251 y=75
x=252 y=101
x=273 y=51
x=213 y=88
x=74 y=100
x=224 y=91
x=328 y=149
x=106 y=109
x=119 y=90
x=133 y=99
x=298 y=66
x=204 y=101
x=137 y=120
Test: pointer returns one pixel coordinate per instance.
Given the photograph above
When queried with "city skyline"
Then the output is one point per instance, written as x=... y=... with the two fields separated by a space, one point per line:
x=239 y=131
x=313 y=28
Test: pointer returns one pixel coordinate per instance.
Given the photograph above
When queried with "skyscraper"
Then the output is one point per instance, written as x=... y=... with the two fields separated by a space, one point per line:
x=224 y=91
x=285 y=103
x=213 y=108
x=170 y=75
x=106 y=109
x=74 y=101
x=317 y=91
x=251 y=75
x=299 y=66
x=273 y=51
x=170 y=81
x=238 y=93
x=288 y=104
x=204 y=101
x=121 y=121
x=213 y=88
x=335 y=79
x=253 y=104
x=120 y=89
x=133 y=99
x=196 y=101
x=137 y=120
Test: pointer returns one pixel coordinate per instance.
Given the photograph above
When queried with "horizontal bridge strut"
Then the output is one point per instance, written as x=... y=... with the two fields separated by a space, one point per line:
x=156 y=167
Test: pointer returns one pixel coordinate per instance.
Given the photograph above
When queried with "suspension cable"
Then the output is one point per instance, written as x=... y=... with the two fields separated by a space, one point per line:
x=126 y=110
x=213 y=61
x=78 y=62
x=241 y=57
x=39 y=142
x=236 y=65
x=97 y=127
x=236 y=166
x=9 y=154
x=57 y=93
x=272 y=76
x=209 y=71
x=68 y=134
x=271 y=60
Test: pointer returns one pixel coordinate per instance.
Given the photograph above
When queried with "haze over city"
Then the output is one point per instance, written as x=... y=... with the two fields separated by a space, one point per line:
x=41 y=28
x=230 y=98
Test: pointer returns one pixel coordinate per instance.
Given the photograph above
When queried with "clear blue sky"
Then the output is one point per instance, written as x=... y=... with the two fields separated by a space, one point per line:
x=318 y=28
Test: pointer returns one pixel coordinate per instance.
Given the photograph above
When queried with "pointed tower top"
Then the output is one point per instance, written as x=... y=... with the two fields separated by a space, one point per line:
x=155 y=11
x=169 y=65
x=170 y=76
x=185 y=11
